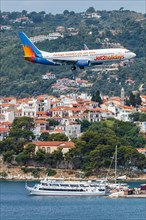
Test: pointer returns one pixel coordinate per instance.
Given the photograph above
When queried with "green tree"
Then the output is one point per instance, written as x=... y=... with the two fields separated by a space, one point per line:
x=44 y=136
x=26 y=155
x=132 y=99
x=40 y=156
x=96 y=97
x=138 y=116
x=58 y=137
x=53 y=122
x=57 y=157
x=23 y=123
x=138 y=99
x=9 y=156
x=21 y=128
x=84 y=125
x=90 y=10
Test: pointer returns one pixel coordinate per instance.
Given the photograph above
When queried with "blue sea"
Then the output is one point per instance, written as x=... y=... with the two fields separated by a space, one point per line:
x=16 y=204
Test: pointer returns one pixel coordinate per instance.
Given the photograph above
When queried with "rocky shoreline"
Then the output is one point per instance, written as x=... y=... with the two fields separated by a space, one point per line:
x=18 y=173
x=67 y=177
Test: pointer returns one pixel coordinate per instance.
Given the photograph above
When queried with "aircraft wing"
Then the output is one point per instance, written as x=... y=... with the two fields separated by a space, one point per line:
x=67 y=62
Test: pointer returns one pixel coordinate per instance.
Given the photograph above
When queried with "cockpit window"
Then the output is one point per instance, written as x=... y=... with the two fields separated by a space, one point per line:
x=127 y=51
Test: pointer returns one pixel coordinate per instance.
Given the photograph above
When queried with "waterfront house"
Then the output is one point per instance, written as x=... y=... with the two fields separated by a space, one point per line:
x=51 y=146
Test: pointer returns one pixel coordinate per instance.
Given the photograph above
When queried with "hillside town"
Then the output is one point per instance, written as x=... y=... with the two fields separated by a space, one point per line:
x=67 y=110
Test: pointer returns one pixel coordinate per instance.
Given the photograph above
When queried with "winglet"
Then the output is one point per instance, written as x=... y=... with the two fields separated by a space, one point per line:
x=30 y=50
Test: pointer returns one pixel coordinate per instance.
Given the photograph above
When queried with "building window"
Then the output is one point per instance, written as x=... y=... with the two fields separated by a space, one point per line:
x=48 y=149
x=43 y=148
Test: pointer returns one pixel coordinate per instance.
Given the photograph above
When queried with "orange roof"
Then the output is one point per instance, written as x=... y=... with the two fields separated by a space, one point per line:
x=57 y=129
x=7 y=123
x=128 y=108
x=95 y=109
x=64 y=144
x=4 y=130
x=142 y=109
x=44 y=131
x=116 y=98
x=7 y=104
x=41 y=121
x=40 y=98
x=26 y=100
x=143 y=96
x=61 y=108
x=141 y=149
x=8 y=98
x=19 y=110
x=41 y=113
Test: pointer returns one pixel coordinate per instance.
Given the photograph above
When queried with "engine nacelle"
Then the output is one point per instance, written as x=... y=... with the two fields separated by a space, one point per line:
x=82 y=63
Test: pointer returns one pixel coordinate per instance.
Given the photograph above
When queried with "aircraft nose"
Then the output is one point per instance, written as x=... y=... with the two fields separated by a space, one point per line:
x=133 y=55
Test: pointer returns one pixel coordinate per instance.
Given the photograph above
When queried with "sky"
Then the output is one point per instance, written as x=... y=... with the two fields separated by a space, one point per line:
x=58 y=6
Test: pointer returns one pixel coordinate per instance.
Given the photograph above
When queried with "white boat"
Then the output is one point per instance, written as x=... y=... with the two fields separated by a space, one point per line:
x=61 y=187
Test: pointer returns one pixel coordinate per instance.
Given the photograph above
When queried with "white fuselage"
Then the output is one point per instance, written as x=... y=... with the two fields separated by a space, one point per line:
x=94 y=56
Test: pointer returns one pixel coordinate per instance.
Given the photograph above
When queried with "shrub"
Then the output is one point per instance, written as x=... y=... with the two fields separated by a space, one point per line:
x=50 y=172
x=3 y=174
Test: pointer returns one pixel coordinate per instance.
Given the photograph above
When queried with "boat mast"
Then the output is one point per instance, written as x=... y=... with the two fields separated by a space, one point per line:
x=116 y=165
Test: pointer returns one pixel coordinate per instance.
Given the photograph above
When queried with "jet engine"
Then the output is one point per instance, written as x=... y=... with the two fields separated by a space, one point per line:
x=82 y=63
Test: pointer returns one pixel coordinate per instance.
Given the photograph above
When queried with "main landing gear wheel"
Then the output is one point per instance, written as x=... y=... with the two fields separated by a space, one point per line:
x=81 y=67
x=73 y=68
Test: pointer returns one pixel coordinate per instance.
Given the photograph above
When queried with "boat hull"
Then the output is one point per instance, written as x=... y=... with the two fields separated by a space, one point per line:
x=36 y=192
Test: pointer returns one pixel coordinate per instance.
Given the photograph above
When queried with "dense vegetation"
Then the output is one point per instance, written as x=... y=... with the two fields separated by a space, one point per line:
x=122 y=26
x=93 y=150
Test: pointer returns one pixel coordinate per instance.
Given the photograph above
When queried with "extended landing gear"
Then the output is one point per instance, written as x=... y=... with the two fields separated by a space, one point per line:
x=73 y=68
x=81 y=67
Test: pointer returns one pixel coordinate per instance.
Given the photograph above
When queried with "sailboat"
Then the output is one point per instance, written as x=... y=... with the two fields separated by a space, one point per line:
x=115 y=185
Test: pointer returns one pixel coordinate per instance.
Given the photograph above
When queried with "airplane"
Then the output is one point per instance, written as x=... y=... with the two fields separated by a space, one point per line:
x=81 y=59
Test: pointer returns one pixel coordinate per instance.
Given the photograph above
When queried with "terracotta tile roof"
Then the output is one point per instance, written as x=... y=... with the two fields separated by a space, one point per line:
x=40 y=98
x=40 y=121
x=8 y=98
x=143 y=96
x=142 y=109
x=7 y=105
x=6 y=123
x=116 y=98
x=65 y=108
x=26 y=100
x=64 y=144
x=4 y=130
x=44 y=131
x=127 y=108
x=141 y=149
x=41 y=113
x=19 y=110
x=95 y=109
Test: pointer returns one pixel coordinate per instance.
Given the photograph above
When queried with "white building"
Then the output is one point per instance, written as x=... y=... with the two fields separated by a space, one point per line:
x=48 y=76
